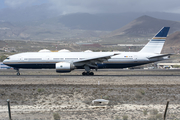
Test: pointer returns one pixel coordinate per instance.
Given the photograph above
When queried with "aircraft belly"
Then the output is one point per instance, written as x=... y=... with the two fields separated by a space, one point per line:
x=33 y=66
x=122 y=64
x=118 y=65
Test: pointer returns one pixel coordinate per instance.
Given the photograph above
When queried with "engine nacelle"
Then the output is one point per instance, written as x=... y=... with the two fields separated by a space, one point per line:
x=62 y=67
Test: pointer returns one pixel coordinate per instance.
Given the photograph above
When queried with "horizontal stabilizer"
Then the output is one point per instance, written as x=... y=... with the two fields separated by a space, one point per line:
x=160 y=56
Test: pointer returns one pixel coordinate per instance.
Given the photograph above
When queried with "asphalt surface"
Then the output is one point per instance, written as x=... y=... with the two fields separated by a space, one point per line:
x=103 y=72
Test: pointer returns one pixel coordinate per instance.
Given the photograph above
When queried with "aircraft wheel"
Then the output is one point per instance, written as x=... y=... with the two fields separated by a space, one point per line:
x=91 y=73
x=18 y=74
x=88 y=73
x=84 y=73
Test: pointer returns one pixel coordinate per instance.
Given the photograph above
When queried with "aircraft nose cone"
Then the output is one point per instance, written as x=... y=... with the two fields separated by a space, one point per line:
x=4 y=61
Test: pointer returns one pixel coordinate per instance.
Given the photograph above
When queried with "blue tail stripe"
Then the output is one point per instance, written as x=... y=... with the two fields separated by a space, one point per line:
x=163 y=32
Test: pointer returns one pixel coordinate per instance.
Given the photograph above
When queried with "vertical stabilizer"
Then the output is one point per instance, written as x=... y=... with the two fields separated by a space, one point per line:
x=155 y=45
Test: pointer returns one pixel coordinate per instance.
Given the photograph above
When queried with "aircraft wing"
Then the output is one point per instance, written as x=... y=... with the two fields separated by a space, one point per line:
x=94 y=60
x=160 y=56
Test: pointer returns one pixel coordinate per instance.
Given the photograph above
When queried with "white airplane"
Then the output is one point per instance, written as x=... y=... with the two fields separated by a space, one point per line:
x=68 y=61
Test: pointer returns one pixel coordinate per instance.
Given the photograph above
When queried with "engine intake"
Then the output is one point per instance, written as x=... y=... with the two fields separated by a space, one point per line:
x=63 y=67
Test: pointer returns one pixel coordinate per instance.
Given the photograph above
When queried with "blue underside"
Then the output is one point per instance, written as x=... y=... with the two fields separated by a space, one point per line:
x=52 y=66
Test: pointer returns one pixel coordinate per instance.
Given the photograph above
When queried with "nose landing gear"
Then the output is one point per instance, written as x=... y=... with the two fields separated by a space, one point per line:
x=17 y=70
x=18 y=74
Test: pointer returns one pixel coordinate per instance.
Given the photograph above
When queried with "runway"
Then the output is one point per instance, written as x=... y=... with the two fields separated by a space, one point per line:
x=101 y=72
x=109 y=77
x=55 y=76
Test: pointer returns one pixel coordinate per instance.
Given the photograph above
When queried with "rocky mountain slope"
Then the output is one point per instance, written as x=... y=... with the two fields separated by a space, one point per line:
x=144 y=26
x=136 y=32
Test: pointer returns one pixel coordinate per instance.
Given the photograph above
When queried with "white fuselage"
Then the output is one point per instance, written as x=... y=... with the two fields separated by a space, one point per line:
x=49 y=59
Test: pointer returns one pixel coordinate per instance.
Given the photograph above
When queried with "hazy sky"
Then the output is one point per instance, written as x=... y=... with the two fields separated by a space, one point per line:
x=98 y=6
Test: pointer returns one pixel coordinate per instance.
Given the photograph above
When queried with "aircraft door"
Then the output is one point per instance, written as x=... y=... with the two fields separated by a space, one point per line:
x=47 y=58
x=21 y=58
x=135 y=58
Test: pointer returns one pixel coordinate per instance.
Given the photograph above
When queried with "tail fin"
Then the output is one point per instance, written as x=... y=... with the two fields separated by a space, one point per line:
x=155 y=45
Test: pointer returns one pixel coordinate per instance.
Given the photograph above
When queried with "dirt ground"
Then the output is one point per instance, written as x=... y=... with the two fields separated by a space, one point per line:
x=132 y=94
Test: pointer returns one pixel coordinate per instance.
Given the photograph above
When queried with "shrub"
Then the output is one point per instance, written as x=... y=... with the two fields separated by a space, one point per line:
x=154 y=112
x=142 y=92
x=125 y=98
x=176 y=66
x=56 y=116
x=152 y=117
x=145 y=112
x=125 y=117
x=159 y=116
x=106 y=97
x=138 y=95
x=40 y=90
x=117 y=118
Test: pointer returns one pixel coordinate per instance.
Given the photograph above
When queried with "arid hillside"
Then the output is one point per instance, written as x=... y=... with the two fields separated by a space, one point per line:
x=172 y=44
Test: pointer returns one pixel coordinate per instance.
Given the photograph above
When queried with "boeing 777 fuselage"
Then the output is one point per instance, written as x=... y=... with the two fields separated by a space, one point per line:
x=68 y=61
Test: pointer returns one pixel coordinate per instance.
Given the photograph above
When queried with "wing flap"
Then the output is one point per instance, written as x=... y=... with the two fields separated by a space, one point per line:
x=96 y=59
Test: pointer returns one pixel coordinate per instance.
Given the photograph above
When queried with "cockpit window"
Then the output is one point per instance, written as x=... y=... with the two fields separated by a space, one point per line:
x=7 y=58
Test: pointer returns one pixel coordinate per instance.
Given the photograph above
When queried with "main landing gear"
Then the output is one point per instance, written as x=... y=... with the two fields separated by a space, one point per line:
x=87 y=69
x=87 y=73
x=17 y=70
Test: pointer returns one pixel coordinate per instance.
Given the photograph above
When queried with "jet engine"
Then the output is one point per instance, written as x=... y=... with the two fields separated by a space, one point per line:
x=62 y=67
